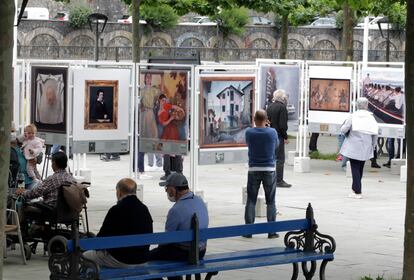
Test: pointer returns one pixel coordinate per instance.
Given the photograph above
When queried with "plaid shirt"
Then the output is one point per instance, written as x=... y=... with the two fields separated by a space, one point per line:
x=49 y=188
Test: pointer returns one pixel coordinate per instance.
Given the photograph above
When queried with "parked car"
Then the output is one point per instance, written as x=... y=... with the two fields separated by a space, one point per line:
x=256 y=20
x=324 y=22
x=128 y=19
x=62 y=16
x=35 y=13
x=199 y=20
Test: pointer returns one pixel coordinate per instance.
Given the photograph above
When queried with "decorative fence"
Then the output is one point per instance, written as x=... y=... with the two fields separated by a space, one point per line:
x=208 y=54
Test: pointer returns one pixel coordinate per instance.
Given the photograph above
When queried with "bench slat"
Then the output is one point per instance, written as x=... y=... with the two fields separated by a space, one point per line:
x=212 y=266
x=259 y=228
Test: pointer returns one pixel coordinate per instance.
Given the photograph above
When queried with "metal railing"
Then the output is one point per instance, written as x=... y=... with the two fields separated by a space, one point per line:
x=227 y=54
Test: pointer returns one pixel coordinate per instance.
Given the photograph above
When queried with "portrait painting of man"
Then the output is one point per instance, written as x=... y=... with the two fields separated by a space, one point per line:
x=329 y=95
x=101 y=104
x=49 y=98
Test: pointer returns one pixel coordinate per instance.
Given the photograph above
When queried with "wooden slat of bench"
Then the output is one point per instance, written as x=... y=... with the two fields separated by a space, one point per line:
x=258 y=228
x=210 y=265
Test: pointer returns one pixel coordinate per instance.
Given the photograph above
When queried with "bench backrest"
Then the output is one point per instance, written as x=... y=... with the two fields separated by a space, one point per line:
x=99 y=243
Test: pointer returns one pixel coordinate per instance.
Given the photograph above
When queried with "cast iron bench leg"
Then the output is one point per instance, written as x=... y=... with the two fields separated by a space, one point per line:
x=309 y=273
x=210 y=274
x=188 y=277
x=295 y=271
x=322 y=269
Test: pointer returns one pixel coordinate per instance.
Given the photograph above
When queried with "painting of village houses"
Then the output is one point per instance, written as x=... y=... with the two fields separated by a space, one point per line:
x=227 y=110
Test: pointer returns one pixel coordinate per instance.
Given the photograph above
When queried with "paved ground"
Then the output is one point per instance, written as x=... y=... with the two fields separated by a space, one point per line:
x=368 y=232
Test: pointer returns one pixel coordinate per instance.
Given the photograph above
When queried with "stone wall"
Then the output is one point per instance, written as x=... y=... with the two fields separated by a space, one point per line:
x=57 y=34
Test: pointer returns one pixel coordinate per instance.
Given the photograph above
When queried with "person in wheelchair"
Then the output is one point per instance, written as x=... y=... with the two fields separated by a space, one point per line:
x=48 y=190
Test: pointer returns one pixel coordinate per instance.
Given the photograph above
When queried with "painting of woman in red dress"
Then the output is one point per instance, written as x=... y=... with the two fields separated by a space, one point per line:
x=167 y=114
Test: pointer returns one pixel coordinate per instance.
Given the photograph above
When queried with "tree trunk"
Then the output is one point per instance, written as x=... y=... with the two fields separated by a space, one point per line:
x=136 y=33
x=408 y=271
x=284 y=37
x=347 y=33
x=7 y=12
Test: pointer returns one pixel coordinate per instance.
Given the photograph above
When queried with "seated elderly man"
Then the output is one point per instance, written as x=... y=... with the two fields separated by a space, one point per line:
x=48 y=189
x=128 y=216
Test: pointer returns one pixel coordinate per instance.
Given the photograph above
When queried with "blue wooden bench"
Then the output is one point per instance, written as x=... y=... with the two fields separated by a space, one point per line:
x=303 y=244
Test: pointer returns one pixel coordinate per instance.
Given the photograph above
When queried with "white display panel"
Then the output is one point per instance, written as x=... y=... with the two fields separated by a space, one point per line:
x=112 y=125
x=337 y=74
x=16 y=96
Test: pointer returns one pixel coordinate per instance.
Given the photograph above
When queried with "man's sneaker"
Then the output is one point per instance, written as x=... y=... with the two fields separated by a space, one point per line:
x=273 y=235
x=283 y=184
x=247 y=236
x=143 y=176
x=374 y=164
x=388 y=164
x=355 y=195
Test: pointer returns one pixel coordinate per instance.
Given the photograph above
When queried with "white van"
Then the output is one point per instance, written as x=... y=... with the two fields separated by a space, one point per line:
x=35 y=13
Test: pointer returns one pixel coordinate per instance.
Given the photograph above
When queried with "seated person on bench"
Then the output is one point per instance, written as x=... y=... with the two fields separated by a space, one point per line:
x=48 y=190
x=179 y=218
x=129 y=216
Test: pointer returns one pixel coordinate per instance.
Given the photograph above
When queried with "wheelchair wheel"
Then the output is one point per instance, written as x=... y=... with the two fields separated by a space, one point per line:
x=27 y=251
x=57 y=245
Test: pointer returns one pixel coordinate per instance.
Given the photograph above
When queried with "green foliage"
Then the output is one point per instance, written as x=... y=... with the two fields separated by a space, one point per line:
x=318 y=155
x=232 y=21
x=78 y=16
x=162 y=16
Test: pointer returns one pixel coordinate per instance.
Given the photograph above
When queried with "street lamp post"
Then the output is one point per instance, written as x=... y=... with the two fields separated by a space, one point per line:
x=94 y=21
x=387 y=40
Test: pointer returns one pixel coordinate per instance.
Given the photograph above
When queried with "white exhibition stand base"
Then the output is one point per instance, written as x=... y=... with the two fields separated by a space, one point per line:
x=291 y=157
x=301 y=164
x=403 y=175
x=86 y=174
x=396 y=166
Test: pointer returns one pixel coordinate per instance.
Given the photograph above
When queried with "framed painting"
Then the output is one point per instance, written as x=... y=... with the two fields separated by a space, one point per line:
x=101 y=104
x=226 y=110
x=329 y=95
x=163 y=111
x=384 y=89
x=48 y=98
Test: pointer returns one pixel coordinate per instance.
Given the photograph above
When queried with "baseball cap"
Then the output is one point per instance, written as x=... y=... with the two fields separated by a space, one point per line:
x=175 y=180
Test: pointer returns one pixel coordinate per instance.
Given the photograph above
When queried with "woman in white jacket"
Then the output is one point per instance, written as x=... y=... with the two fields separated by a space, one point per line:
x=360 y=130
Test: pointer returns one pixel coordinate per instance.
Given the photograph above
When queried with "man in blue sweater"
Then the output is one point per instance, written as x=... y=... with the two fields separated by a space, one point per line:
x=261 y=141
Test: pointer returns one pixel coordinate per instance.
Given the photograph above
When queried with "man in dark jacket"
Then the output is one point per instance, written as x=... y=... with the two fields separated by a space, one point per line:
x=128 y=216
x=278 y=117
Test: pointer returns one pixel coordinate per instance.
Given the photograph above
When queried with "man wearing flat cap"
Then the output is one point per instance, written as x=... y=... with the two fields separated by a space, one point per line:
x=186 y=204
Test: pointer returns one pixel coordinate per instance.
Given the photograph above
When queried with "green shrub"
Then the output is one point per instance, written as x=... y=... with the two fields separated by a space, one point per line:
x=232 y=21
x=161 y=16
x=318 y=155
x=78 y=16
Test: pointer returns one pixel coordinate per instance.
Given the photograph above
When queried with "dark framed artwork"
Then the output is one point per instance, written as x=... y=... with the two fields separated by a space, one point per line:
x=227 y=105
x=48 y=98
x=329 y=95
x=101 y=104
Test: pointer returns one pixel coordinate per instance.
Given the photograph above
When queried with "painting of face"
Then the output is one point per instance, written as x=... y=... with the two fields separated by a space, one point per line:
x=101 y=106
x=49 y=98
x=329 y=95
x=227 y=110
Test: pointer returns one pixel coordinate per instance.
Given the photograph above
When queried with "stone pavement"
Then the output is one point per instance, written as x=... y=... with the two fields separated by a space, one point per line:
x=368 y=232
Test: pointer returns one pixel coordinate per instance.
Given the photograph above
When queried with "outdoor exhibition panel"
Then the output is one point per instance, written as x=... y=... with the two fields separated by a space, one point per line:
x=287 y=75
x=226 y=104
x=163 y=108
x=18 y=95
x=383 y=85
x=329 y=94
x=102 y=102
x=48 y=99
